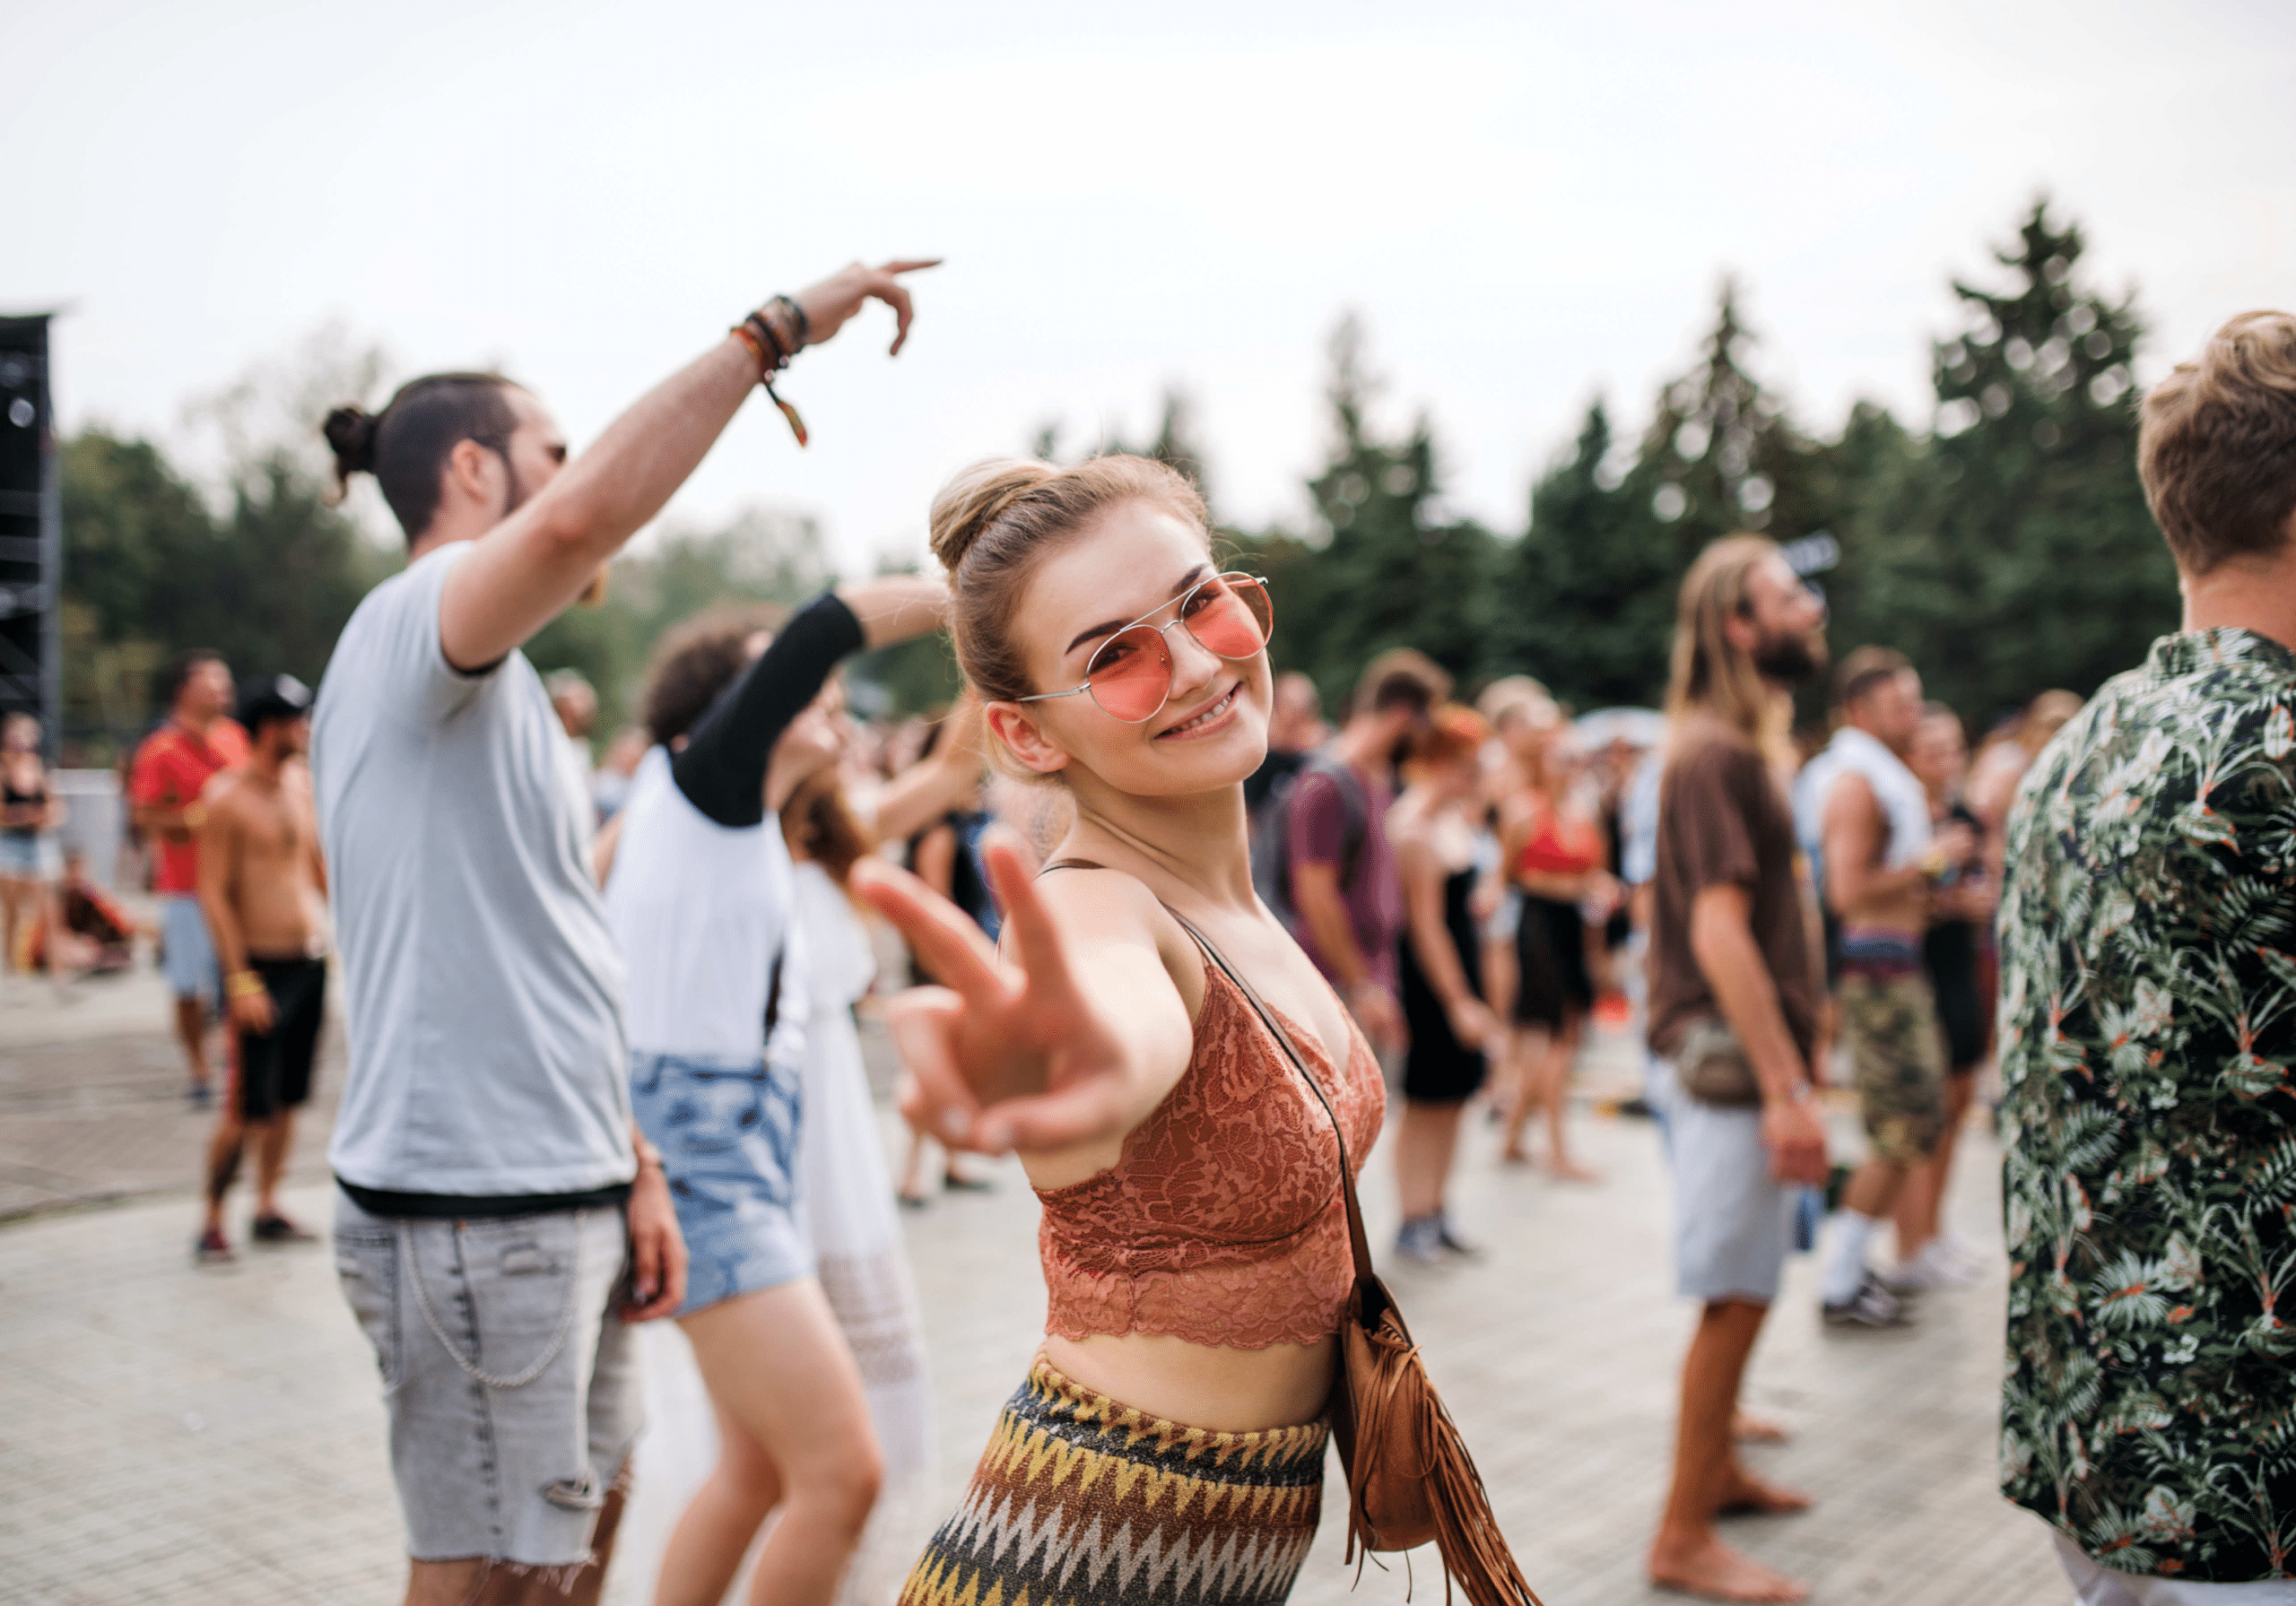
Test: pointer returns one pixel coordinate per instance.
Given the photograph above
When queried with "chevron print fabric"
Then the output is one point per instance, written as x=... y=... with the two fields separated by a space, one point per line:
x=1080 y=1501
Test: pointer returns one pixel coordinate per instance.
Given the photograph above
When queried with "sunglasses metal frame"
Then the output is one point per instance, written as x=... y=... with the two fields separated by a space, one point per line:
x=1179 y=618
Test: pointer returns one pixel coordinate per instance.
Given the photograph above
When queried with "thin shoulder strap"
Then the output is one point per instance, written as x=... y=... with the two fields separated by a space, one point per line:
x=1357 y=1241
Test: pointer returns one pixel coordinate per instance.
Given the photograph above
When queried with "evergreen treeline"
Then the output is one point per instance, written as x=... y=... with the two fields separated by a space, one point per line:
x=2007 y=550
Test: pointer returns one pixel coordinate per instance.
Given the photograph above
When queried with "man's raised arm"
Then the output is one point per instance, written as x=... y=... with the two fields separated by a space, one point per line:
x=523 y=572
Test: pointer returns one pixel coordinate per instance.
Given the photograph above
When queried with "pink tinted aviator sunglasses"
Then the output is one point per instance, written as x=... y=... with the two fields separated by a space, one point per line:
x=1130 y=677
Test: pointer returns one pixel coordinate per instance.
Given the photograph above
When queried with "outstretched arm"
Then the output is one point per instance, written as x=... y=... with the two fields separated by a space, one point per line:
x=1064 y=1046
x=721 y=770
x=926 y=790
x=523 y=572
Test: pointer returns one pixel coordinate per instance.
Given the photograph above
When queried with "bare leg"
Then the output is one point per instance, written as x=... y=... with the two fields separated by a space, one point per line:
x=1498 y=968
x=224 y=1148
x=1424 y=1144
x=1688 y=1555
x=1873 y=1188
x=797 y=1434
x=1922 y=1203
x=590 y=1583
x=12 y=903
x=912 y=1170
x=445 y=1583
x=274 y=1138
x=1523 y=1061
x=1554 y=1082
x=191 y=1031
x=481 y=1581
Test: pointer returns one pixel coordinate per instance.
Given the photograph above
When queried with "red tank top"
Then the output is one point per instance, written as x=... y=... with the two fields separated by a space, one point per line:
x=1222 y=1220
x=1561 y=847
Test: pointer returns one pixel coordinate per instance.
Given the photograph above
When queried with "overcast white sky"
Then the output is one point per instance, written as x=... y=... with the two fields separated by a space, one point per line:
x=1528 y=203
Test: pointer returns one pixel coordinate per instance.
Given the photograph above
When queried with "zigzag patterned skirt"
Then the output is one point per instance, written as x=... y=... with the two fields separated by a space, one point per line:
x=1080 y=1501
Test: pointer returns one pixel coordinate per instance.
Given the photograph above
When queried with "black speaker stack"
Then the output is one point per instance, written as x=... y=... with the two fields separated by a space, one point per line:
x=31 y=533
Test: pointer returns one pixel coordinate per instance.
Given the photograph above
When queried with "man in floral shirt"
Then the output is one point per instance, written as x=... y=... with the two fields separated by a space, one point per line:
x=2148 y=1029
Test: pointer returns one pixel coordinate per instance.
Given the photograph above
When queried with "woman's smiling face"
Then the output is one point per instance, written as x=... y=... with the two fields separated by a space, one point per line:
x=1136 y=558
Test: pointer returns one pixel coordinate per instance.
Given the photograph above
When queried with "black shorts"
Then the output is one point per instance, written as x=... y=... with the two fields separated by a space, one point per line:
x=275 y=1065
x=1551 y=986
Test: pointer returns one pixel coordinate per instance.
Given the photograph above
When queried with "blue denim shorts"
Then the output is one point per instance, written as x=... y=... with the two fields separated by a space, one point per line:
x=728 y=1135
x=512 y=1386
x=193 y=971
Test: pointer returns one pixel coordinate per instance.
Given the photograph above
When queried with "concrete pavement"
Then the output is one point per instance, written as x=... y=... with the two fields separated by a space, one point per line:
x=169 y=1435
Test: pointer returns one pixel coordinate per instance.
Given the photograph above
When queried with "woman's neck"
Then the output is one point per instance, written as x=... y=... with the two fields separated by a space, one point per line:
x=1201 y=842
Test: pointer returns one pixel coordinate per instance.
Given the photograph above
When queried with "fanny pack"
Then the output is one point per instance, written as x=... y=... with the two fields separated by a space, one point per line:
x=1711 y=1065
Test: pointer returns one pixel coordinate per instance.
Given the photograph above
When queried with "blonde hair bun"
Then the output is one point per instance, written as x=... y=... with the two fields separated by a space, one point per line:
x=972 y=501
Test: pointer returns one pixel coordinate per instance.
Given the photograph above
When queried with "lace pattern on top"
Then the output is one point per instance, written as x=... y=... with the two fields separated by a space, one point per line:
x=1222 y=1221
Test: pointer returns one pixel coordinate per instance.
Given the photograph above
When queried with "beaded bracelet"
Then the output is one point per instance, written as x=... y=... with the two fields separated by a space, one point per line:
x=799 y=322
x=756 y=332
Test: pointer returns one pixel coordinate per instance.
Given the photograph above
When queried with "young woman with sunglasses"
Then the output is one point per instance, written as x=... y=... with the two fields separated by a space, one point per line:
x=1194 y=1236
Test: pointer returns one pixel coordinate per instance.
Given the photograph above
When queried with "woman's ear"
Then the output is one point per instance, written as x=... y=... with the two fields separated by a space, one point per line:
x=1017 y=729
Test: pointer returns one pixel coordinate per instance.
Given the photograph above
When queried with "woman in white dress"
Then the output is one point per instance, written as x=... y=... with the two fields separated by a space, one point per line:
x=845 y=1191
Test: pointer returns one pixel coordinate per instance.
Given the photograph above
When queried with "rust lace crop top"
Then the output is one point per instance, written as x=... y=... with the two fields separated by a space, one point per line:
x=1222 y=1221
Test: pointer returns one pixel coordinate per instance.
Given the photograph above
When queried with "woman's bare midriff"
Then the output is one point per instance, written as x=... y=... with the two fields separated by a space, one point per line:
x=1216 y=1387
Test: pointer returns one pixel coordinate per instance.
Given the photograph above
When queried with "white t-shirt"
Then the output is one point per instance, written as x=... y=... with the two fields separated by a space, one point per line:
x=483 y=989
x=700 y=910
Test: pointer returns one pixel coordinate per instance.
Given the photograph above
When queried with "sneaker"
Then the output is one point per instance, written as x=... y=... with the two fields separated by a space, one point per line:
x=1871 y=1306
x=213 y=1249
x=957 y=1182
x=1959 y=1254
x=199 y=1095
x=1448 y=1236
x=1935 y=1267
x=279 y=1229
x=1420 y=1241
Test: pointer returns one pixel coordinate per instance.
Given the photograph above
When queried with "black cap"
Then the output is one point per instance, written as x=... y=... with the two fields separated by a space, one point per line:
x=274 y=697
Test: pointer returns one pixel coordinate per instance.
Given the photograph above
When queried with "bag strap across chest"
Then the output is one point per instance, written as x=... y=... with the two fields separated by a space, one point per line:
x=1359 y=1244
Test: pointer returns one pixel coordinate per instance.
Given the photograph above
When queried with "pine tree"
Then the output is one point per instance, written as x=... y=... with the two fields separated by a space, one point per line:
x=1395 y=570
x=1589 y=590
x=2031 y=560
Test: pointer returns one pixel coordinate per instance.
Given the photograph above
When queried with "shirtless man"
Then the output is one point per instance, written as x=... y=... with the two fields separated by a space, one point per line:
x=1882 y=863
x=263 y=887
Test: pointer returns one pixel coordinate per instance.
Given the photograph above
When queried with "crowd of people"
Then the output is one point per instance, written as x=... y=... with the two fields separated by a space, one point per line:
x=604 y=1064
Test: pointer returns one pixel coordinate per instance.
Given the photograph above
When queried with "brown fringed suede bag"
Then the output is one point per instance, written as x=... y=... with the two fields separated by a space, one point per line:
x=1410 y=1479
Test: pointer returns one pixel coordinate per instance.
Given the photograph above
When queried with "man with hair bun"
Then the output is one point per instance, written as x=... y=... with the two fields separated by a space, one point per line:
x=501 y=1220
x=2147 y=1026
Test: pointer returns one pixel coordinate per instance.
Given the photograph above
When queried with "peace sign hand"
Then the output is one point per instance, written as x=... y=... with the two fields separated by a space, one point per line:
x=1006 y=1054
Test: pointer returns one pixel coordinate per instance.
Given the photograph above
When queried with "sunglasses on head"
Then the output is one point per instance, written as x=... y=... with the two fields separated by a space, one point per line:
x=1130 y=676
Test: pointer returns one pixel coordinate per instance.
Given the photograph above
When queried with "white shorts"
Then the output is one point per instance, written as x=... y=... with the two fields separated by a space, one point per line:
x=2093 y=1585
x=1734 y=1222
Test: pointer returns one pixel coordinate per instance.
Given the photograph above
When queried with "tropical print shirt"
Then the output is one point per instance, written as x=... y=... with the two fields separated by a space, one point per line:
x=2148 y=1026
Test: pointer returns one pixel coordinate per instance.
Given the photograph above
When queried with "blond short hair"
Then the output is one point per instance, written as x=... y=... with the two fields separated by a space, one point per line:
x=2216 y=445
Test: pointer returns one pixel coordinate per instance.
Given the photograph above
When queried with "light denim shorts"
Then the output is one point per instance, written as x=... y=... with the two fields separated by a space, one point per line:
x=1733 y=1221
x=30 y=858
x=727 y=1132
x=511 y=1383
x=193 y=969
